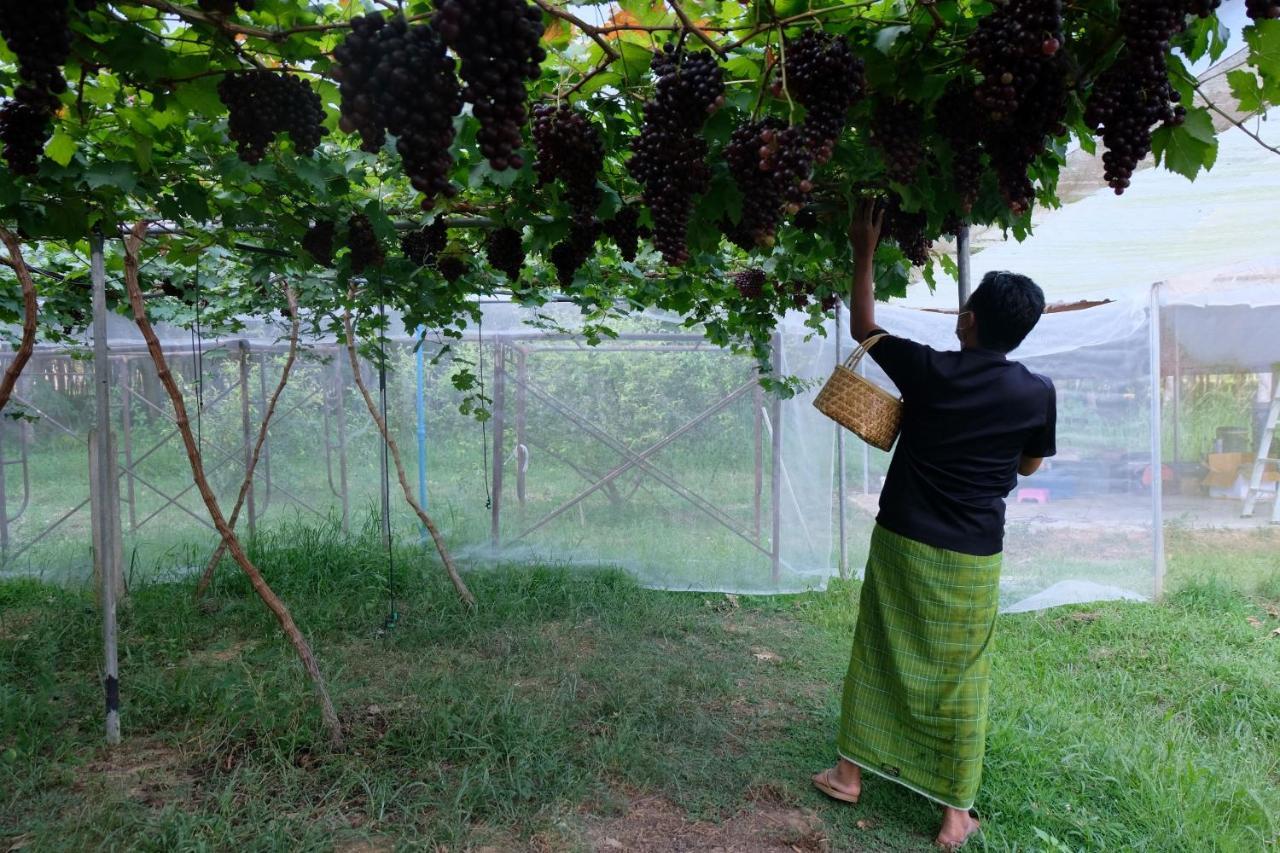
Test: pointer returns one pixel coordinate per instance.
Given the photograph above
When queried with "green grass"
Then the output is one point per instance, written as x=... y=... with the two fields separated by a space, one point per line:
x=570 y=696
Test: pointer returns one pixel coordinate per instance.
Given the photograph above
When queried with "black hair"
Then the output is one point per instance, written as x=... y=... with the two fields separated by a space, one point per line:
x=1006 y=306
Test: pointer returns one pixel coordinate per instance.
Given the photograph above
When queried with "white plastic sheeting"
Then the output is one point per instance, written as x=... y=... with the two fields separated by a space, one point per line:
x=1163 y=228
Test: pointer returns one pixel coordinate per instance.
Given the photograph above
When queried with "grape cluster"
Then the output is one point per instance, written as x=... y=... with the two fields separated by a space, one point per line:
x=625 y=231
x=897 y=129
x=1134 y=95
x=505 y=251
x=1010 y=48
x=226 y=7
x=806 y=220
x=39 y=35
x=424 y=245
x=451 y=267
x=1015 y=145
x=772 y=164
x=1259 y=10
x=750 y=155
x=826 y=78
x=958 y=122
x=669 y=157
x=318 y=242
x=264 y=103
x=399 y=78
x=498 y=44
x=569 y=148
x=25 y=125
x=750 y=283
x=829 y=302
x=366 y=251
x=909 y=231
x=574 y=251
x=801 y=293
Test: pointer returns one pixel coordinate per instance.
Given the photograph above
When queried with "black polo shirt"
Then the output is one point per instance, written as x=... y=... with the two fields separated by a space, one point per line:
x=968 y=418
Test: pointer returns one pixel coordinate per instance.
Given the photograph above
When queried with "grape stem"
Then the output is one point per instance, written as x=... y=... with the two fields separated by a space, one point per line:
x=938 y=23
x=764 y=85
x=782 y=65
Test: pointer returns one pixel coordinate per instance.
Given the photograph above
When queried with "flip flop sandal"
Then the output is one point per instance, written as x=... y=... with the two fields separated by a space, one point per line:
x=823 y=784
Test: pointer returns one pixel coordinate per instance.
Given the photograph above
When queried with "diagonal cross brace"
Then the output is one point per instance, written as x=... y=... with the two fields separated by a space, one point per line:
x=640 y=459
x=217 y=445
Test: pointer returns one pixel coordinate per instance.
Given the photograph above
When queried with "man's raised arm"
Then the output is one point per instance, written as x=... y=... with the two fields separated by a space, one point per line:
x=864 y=234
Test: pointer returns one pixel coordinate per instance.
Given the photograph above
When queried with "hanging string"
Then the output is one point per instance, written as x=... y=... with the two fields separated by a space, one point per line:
x=484 y=425
x=197 y=349
x=392 y=615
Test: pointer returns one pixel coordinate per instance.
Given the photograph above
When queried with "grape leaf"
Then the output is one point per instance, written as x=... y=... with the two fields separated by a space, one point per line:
x=1247 y=89
x=61 y=148
x=1199 y=124
x=119 y=175
x=193 y=201
x=1263 y=39
x=1187 y=148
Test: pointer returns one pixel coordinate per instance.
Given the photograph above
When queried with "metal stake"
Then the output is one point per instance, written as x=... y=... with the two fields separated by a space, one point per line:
x=963 y=280
x=1157 y=461
x=840 y=494
x=105 y=475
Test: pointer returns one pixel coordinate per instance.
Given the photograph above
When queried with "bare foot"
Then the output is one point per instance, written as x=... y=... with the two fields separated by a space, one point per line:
x=842 y=782
x=957 y=828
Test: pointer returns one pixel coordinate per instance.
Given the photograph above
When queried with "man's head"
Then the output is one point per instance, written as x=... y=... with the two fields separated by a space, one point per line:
x=1001 y=312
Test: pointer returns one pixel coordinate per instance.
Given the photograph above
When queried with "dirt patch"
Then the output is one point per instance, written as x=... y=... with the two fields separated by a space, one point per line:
x=153 y=773
x=655 y=825
x=232 y=652
x=14 y=624
x=575 y=642
x=365 y=845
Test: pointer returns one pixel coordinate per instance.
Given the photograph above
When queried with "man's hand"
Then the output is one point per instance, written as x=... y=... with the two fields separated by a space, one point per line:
x=864 y=234
x=864 y=230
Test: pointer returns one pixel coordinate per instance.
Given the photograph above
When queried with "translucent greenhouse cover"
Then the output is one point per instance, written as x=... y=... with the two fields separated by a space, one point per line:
x=658 y=452
x=1164 y=228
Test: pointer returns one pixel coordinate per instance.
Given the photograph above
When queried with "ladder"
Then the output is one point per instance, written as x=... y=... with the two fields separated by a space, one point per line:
x=1265 y=448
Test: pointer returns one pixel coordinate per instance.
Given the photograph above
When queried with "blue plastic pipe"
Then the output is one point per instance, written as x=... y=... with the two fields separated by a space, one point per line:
x=422 y=431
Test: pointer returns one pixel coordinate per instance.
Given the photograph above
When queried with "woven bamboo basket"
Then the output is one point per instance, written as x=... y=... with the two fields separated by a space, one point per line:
x=859 y=405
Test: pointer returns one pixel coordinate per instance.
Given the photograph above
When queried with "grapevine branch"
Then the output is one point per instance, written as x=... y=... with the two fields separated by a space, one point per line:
x=132 y=244
x=1237 y=122
x=196 y=16
x=592 y=32
x=458 y=583
x=247 y=483
x=29 y=310
x=695 y=29
x=602 y=67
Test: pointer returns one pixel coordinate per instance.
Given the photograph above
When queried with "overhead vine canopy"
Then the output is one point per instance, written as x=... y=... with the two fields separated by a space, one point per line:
x=433 y=151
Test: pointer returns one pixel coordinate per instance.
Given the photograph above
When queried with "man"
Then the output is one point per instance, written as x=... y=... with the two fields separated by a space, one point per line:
x=914 y=707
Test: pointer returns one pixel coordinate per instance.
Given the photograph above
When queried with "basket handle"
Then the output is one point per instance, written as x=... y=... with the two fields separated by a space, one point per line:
x=862 y=349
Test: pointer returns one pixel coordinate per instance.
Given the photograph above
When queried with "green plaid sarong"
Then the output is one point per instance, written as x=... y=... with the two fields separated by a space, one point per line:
x=915 y=698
